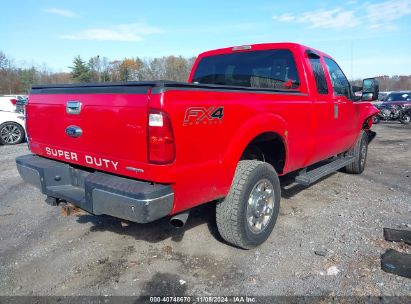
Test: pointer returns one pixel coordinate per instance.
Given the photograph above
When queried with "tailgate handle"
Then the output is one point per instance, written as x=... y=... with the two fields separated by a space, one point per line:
x=73 y=107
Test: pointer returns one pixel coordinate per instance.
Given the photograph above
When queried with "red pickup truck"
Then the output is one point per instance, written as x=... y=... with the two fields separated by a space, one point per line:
x=140 y=151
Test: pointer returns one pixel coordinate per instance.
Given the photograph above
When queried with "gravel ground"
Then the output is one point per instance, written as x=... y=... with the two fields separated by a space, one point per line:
x=327 y=241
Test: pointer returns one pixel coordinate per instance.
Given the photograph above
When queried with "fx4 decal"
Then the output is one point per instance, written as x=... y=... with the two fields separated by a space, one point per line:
x=201 y=115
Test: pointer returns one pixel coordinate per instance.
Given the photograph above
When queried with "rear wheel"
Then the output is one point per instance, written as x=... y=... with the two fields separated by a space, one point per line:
x=248 y=214
x=359 y=151
x=11 y=133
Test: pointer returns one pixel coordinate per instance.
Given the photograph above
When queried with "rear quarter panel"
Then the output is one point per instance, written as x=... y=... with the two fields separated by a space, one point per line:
x=207 y=152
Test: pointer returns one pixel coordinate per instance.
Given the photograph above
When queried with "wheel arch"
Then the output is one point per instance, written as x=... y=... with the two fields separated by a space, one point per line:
x=368 y=111
x=268 y=126
x=13 y=121
x=268 y=147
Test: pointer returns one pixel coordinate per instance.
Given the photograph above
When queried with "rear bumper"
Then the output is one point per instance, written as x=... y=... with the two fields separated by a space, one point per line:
x=97 y=192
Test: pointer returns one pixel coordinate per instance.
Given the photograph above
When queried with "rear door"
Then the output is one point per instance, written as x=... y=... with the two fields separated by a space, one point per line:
x=345 y=114
x=323 y=115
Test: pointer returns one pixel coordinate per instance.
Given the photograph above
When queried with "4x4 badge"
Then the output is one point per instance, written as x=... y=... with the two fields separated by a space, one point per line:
x=201 y=115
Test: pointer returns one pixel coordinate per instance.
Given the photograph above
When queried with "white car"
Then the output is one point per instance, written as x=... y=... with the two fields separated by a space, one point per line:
x=10 y=102
x=12 y=128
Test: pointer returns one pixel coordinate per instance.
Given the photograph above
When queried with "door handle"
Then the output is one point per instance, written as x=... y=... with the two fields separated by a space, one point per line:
x=73 y=107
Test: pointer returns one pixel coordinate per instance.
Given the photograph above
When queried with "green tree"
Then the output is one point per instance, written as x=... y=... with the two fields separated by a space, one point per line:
x=80 y=71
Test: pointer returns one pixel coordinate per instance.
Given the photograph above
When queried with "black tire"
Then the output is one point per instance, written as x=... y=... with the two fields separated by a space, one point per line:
x=5 y=130
x=232 y=213
x=405 y=119
x=359 y=151
x=376 y=120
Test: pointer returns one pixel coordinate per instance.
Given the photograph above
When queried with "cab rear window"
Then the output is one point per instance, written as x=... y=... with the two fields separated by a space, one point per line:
x=271 y=69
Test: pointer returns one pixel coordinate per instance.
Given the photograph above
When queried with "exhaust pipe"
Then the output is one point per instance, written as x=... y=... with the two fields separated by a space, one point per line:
x=179 y=220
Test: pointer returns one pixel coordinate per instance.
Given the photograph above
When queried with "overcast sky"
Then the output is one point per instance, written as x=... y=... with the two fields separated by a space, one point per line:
x=367 y=38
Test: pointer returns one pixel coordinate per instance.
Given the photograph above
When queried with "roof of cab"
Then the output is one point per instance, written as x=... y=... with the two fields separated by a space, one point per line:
x=259 y=47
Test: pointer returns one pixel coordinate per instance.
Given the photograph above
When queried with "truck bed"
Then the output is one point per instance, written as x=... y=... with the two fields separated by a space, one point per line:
x=140 y=86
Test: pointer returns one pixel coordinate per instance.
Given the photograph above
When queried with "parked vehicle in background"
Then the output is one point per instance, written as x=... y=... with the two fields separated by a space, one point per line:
x=397 y=98
x=21 y=104
x=382 y=95
x=381 y=98
x=393 y=113
x=407 y=111
x=11 y=103
x=8 y=104
x=140 y=151
x=12 y=128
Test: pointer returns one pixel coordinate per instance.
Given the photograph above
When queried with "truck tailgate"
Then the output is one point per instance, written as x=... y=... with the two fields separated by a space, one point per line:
x=108 y=133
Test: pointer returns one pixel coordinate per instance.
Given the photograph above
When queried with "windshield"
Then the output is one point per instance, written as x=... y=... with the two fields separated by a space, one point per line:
x=274 y=69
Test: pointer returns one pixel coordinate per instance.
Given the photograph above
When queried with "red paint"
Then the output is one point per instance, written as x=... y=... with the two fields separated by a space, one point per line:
x=115 y=130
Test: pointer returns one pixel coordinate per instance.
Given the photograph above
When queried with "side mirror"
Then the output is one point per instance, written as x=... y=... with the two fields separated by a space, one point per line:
x=370 y=89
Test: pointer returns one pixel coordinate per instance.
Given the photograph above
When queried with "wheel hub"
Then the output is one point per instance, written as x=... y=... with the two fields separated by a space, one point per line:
x=260 y=205
x=10 y=134
x=259 y=209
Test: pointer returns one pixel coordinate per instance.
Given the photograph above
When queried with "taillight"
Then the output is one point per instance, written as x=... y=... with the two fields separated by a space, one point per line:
x=161 y=147
x=13 y=101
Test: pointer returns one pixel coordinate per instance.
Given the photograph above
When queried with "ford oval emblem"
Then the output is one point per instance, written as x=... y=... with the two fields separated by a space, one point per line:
x=74 y=131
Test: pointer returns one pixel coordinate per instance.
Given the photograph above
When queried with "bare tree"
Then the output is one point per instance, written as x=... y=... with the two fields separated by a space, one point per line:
x=4 y=62
x=94 y=65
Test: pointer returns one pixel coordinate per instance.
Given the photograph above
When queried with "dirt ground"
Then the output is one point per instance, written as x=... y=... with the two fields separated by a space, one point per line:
x=327 y=241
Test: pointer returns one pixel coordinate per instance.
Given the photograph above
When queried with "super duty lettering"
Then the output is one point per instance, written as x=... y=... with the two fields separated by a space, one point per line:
x=73 y=157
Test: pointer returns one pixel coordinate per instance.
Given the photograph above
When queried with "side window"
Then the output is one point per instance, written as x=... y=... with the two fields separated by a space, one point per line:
x=319 y=75
x=340 y=83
